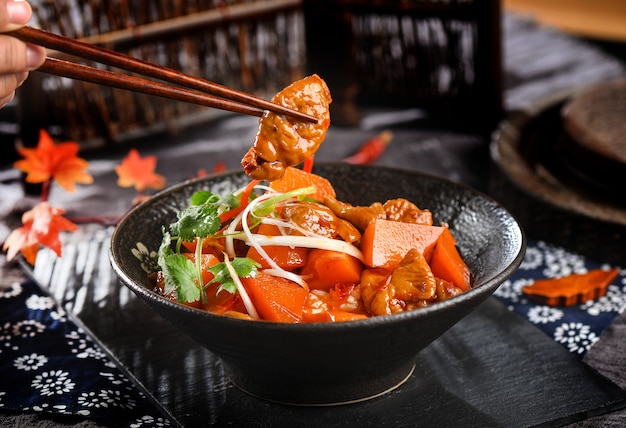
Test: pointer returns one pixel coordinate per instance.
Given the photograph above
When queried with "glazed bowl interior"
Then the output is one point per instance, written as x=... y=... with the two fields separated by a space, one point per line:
x=329 y=363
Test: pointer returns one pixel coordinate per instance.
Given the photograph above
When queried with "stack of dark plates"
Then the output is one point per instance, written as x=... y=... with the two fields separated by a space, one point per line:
x=560 y=168
x=594 y=147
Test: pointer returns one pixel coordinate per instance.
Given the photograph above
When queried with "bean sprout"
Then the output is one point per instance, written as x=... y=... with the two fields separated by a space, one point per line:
x=247 y=302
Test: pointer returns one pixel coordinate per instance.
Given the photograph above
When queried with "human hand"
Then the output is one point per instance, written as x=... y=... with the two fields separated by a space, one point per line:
x=16 y=57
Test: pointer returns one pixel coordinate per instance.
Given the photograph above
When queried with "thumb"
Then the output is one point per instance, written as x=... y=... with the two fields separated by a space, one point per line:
x=14 y=14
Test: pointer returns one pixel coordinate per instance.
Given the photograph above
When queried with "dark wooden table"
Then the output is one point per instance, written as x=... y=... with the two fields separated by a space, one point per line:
x=478 y=389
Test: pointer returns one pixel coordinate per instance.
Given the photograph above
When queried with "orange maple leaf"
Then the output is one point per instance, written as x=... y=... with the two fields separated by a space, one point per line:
x=139 y=172
x=40 y=226
x=49 y=161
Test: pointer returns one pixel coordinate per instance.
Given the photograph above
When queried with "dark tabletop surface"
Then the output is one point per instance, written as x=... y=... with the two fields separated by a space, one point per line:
x=538 y=62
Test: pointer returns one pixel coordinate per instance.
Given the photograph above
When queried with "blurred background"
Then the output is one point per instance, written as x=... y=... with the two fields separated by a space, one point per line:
x=444 y=57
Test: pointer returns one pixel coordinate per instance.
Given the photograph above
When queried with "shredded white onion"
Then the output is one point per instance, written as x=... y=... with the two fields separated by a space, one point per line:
x=232 y=227
x=231 y=230
x=275 y=270
x=246 y=230
x=257 y=241
x=282 y=225
x=307 y=242
x=282 y=273
x=247 y=302
x=267 y=189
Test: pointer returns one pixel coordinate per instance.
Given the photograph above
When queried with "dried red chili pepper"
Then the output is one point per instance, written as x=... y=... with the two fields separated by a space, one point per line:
x=308 y=164
x=371 y=150
x=220 y=166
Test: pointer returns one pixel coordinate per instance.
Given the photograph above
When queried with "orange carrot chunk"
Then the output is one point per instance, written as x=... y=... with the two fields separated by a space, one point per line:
x=222 y=302
x=295 y=178
x=446 y=262
x=210 y=245
x=276 y=299
x=325 y=269
x=385 y=242
x=572 y=289
x=288 y=258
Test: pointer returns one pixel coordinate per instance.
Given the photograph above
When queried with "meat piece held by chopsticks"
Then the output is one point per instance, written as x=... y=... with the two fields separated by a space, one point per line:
x=282 y=141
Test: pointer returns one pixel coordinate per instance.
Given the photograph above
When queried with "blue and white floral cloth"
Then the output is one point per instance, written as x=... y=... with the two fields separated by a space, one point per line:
x=575 y=327
x=49 y=364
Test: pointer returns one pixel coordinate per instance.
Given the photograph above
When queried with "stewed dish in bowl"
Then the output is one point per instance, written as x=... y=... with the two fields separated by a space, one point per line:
x=326 y=362
x=315 y=284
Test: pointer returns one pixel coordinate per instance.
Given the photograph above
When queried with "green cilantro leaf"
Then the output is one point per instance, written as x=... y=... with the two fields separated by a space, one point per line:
x=180 y=274
x=196 y=221
x=164 y=248
x=243 y=266
x=231 y=201
x=204 y=196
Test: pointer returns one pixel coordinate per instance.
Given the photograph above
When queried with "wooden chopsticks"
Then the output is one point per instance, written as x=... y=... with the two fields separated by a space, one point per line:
x=226 y=99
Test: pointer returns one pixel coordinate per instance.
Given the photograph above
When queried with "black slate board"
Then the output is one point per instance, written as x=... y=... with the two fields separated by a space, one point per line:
x=491 y=369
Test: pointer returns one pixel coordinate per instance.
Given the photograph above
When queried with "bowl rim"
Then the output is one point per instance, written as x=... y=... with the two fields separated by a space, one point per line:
x=485 y=287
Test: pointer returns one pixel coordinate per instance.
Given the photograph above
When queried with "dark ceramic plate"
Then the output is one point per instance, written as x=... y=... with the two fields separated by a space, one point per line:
x=326 y=363
x=535 y=180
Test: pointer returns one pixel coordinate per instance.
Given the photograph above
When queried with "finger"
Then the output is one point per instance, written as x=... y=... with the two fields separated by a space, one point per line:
x=21 y=78
x=6 y=100
x=8 y=84
x=14 y=14
x=35 y=56
x=19 y=56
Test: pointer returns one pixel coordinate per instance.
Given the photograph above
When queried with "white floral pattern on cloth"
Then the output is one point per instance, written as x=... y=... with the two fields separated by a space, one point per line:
x=575 y=327
x=49 y=364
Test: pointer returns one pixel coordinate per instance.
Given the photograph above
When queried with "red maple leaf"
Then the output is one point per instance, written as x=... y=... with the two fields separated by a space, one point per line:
x=139 y=172
x=54 y=162
x=40 y=226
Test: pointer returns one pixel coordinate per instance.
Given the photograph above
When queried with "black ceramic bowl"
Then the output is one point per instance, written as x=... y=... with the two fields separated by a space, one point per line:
x=330 y=363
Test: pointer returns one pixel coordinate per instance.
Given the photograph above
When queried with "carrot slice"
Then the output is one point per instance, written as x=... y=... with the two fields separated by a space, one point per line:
x=325 y=269
x=222 y=302
x=571 y=289
x=288 y=258
x=338 y=315
x=276 y=299
x=295 y=178
x=209 y=245
x=446 y=262
x=385 y=242
x=333 y=315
